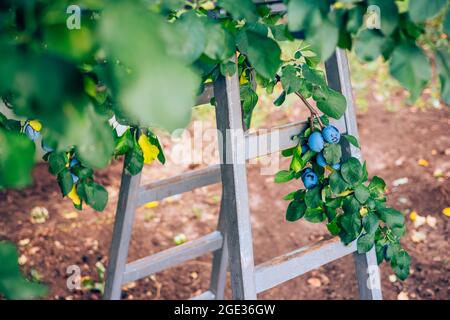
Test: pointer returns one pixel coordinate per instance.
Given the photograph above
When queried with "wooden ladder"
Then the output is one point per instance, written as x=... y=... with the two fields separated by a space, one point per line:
x=232 y=244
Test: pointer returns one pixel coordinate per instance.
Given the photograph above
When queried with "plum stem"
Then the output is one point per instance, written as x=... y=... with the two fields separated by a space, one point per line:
x=314 y=113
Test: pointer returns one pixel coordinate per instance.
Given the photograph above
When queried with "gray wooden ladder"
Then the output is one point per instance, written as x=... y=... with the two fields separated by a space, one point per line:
x=231 y=244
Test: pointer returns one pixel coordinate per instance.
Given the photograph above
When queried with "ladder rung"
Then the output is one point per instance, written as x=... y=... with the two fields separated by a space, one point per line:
x=171 y=257
x=182 y=183
x=276 y=139
x=288 y=266
x=207 y=295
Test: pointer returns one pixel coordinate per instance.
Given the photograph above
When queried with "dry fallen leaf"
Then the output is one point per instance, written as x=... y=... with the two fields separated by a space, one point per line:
x=194 y=275
x=423 y=163
x=314 y=282
x=392 y=278
x=151 y=205
x=413 y=215
x=418 y=236
x=70 y=215
x=403 y=296
x=446 y=211
x=39 y=215
x=431 y=221
x=22 y=259
x=24 y=242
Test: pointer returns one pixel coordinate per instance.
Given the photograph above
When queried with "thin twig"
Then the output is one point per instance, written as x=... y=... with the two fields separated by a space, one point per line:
x=311 y=109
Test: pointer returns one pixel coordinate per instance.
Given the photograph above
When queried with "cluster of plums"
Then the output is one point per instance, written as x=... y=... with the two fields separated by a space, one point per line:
x=316 y=142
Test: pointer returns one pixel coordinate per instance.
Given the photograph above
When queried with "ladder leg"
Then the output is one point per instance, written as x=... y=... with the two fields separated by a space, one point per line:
x=234 y=184
x=338 y=76
x=220 y=261
x=123 y=226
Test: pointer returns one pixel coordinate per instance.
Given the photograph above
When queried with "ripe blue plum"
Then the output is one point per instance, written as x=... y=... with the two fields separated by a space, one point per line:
x=316 y=142
x=331 y=134
x=321 y=160
x=309 y=178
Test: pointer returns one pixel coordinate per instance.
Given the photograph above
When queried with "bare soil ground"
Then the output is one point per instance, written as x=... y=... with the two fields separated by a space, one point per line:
x=392 y=145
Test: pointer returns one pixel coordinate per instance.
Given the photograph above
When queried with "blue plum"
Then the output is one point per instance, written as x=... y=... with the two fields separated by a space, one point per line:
x=46 y=148
x=31 y=133
x=336 y=166
x=321 y=160
x=309 y=178
x=74 y=178
x=331 y=134
x=315 y=142
x=74 y=162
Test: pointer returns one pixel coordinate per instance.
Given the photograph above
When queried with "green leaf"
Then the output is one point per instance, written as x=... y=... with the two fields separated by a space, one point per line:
x=377 y=187
x=392 y=217
x=411 y=67
x=65 y=181
x=332 y=153
x=334 y=227
x=368 y=45
x=12 y=284
x=324 y=39
x=335 y=104
x=93 y=194
x=365 y=242
x=337 y=184
x=16 y=159
x=283 y=176
x=243 y=9
x=355 y=18
x=82 y=172
x=421 y=10
x=388 y=15
x=149 y=100
x=290 y=81
x=228 y=68
x=264 y=54
x=443 y=66
x=279 y=101
x=400 y=263
x=134 y=160
x=370 y=222
x=351 y=171
x=379 y=249
x=351 y=139
x=295 y=211
x=124 y=143
x=315 y=215
x=447 y=23
x=313 y=198
x=351 y=227
x=189 y=37
x=362 y=193
x=249 y=100
x=57 y=162
x=313 y=76
x=304 y=14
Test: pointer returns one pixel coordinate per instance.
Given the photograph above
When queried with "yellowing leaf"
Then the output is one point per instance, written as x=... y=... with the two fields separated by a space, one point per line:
x=345 y=193
x=152 y=204
x=74 y=196
x=363 y=211
x=36 y=125
x=243 y=79
x=423 y=163
x=446 y=211
x=150 y=151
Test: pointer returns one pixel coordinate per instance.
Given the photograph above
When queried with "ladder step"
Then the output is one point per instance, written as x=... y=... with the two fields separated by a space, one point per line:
x=182 y=183
x=171 y=257
x=258 y=145
x=207 y=295
x=276 y=139
x=288 y=266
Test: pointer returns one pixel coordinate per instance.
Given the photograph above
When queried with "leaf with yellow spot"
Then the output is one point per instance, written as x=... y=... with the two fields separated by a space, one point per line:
x=36 y=125
x=243 y=79
x=150 y=151
x=73 y=195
